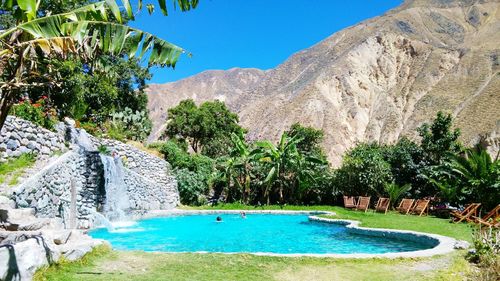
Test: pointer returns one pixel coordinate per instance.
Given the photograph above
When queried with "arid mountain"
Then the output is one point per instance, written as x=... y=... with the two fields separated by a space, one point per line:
x=375 y=81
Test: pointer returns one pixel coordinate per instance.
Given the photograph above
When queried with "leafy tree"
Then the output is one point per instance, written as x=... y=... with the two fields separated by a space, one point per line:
x=438 y=139
x=206 y=128
x=364 y=171
x=408 y=165
x=310 y=139
x=87 y=32
x=94 y=95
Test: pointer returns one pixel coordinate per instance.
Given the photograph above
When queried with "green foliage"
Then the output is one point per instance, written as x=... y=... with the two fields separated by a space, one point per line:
x=395 y=191
x=206 y=128
x=94 y=94
x=364 y=171
x=486 y=254
x=192 y=187
x=262 y=172
x=406 y=159
x=114 y=130
x=39 y=113
x=309 y=139
x=137 y=124
x=103 y=149
x=41 y=33
x=438 y=139
x=478 y=175
x=15 y=167
x=194 y=173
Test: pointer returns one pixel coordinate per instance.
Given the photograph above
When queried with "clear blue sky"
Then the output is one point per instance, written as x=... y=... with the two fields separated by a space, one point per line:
x=223 y=34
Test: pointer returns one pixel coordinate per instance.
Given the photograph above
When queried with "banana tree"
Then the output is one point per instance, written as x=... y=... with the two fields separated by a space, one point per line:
x=236 y=169
x=87 y=32
x=279 y=159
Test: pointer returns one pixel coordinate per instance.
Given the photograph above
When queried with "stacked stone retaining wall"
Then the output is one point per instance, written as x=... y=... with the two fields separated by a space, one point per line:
x=73 y=185
x=19 y=136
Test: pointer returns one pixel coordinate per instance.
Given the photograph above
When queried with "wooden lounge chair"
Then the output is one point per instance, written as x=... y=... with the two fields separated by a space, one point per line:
x=491 y=219
x=467 y=214
x=405 y=206
x=349 y=202
x=363 y=203
x=421 y=207
x=382 y=205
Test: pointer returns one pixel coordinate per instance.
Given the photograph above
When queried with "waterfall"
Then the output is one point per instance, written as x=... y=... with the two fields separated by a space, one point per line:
x=117 y=201
x=101 y=219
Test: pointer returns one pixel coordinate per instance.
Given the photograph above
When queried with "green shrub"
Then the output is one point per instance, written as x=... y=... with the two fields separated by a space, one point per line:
x=114 y=130
x=486 y=254
x=194 y=172
x=364 y=171
x=39 y=113
x=136 y=124
x=103 y=150
x=192 y=187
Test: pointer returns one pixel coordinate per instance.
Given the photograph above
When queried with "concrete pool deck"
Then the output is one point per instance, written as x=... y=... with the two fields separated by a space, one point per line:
x=439 y=244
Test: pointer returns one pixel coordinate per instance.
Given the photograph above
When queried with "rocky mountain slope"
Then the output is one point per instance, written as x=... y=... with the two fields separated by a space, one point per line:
x=375 y=81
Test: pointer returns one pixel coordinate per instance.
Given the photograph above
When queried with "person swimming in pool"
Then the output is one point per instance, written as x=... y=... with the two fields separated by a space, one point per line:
x=218 y=219
x=243 y=215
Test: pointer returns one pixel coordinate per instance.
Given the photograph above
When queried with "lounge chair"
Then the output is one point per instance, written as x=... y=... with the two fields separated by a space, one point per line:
x=421 y=207
x=467 y=214
x=363 y=203
x=491 y=219
x=382 y=205
x=349 y=202
x=405 y=205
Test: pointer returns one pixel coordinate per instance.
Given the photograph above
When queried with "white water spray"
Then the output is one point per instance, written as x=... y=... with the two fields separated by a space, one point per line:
x=117 y=201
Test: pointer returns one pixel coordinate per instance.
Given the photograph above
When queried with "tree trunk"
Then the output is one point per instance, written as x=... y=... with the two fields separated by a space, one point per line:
x=6 y=101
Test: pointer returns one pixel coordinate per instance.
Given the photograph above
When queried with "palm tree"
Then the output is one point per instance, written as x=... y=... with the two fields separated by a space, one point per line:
x=480 y=174
x=86 y=32
x=395 y=191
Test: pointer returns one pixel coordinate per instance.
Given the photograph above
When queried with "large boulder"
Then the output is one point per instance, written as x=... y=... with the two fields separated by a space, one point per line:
x=21 y=260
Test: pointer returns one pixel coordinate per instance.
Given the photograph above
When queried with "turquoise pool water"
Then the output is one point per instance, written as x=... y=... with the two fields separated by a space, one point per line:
x=281 y=234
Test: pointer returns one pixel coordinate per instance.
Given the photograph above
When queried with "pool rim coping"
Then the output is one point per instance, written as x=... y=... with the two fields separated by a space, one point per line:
x=444 y=245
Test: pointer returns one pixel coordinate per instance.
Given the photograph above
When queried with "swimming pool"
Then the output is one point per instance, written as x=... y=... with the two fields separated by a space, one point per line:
x=257 y=233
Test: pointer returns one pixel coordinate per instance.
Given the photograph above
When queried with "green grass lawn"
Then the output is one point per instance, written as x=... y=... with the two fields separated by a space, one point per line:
x=14 y=168
x=105 y=264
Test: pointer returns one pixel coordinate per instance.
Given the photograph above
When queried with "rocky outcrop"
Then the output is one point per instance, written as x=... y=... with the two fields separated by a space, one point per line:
x=19 y=136
x=375 y=81
x=22 y=252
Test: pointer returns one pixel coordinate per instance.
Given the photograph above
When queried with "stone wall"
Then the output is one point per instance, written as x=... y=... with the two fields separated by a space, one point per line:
x=148 y=180
x=145 y=194
x=145 y=164
x=72 y=187
x=19 y=136
x=67 y=188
